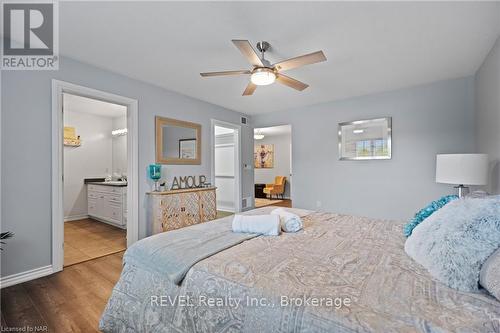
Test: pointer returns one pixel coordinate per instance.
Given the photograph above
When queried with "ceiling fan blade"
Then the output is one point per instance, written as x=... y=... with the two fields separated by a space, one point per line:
x=249 y=89
x=224 y=73
x=292 y=83
x=300 y=61
x=246 y=48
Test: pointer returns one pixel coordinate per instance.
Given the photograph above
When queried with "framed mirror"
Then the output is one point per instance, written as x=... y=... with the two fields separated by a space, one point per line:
x=365 y=139
x=177 y=141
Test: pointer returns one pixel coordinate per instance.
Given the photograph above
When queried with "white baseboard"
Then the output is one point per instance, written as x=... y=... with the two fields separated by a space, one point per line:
x=17 y=278
x=225 y=209
x=75 y=217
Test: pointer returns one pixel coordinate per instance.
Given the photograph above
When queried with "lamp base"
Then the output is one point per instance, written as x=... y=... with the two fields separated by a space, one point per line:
x=462 y=190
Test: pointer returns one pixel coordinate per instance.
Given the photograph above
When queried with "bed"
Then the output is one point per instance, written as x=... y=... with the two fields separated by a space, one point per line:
x=340 y=274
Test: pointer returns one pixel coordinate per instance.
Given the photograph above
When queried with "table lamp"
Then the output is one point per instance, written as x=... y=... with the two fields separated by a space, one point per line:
x=461 y=170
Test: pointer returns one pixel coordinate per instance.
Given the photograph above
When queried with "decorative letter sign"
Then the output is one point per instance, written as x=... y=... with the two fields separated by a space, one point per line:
x=188 y=182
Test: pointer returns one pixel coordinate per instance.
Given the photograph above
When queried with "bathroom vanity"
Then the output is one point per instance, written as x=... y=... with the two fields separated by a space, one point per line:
x=107 y=202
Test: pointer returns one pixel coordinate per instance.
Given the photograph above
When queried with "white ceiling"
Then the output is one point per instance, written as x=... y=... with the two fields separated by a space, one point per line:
x=370 y=46
x=74 y=103
x=274 y=130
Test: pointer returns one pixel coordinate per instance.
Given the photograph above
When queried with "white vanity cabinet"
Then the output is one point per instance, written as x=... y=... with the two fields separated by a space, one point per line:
x=108 y=204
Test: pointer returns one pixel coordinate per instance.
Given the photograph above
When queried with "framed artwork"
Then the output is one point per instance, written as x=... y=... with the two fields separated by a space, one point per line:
x=263 y=156
x=187 y=148
x=365 y=139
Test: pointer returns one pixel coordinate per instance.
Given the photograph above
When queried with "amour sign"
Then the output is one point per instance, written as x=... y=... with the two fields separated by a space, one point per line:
x=188 y=182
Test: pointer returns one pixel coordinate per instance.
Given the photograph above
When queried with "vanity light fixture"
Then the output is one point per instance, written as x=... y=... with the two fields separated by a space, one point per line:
x=258 y=135
x=119 y=132
x=358 y=131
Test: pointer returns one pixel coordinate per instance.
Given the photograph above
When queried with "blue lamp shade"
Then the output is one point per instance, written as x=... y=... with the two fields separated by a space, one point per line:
x=155 y=171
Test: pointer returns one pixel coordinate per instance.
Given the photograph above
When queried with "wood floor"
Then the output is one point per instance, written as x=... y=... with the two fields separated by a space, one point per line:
x=221 y=214
x=266 y=202
x=89 y=239
x=284 y=203
x=70 y=301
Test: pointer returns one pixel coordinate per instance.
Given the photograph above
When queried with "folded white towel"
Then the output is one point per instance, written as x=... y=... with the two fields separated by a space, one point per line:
x=289 y=222
x=267 y=225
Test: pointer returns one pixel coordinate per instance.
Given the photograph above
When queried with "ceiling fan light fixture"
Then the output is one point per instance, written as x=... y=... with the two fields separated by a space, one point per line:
x=264 y=73
x=263 y=76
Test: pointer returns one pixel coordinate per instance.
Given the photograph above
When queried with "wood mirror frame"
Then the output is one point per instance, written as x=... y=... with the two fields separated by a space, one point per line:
x=160 y=158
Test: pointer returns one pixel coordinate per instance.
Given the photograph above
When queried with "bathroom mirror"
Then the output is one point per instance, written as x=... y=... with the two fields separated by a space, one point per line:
x=177 y=142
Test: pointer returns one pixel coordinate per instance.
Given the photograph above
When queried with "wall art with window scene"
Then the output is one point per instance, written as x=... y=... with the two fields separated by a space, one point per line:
x=365 y=139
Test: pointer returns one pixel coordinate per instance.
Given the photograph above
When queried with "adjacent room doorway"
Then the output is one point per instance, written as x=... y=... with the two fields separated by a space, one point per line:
x=273 y=166
x=226 y=166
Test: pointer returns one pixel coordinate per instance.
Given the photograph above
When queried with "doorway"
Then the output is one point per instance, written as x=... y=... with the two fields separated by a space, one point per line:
x=95 y=178
x=94 y=173
x=273 y=166
x=226 y=171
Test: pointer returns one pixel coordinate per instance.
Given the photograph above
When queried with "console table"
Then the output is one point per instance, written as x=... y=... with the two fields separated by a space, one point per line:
x=176 y=209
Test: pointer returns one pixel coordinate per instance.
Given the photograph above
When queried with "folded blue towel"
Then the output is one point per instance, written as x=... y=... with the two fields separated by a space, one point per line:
x=267 y=225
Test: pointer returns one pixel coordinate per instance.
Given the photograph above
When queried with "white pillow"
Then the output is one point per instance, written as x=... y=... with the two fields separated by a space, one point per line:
x=489 y=277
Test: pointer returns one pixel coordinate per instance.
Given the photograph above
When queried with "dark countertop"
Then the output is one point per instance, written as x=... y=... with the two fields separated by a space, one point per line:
x=107 y=184
x=93 y=180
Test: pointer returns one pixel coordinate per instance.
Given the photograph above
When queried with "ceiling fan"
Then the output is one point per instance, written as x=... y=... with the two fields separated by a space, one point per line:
x=263 y=73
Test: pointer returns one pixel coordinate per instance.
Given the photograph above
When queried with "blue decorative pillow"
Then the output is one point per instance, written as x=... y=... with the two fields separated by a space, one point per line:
x=426 y=212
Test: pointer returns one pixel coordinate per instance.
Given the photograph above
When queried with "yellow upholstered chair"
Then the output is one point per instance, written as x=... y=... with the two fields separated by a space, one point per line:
x=277 y=189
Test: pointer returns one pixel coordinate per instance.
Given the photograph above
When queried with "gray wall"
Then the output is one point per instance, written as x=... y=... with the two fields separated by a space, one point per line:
x=26 y=150
x=427 y=120
x=488 y=113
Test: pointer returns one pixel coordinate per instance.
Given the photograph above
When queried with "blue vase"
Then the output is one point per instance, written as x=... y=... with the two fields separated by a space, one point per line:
x=155 y=174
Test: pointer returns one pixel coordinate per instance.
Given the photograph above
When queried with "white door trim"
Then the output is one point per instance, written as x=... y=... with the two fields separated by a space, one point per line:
x=58 y=88
x=238 y=196
x=21 y=277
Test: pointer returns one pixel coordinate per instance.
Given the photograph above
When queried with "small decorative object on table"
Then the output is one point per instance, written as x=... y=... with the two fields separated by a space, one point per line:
x=163 y=186
x=155 y=174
